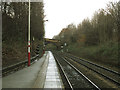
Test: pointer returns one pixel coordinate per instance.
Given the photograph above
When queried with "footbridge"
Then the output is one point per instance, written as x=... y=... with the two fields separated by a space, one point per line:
x=55 y=42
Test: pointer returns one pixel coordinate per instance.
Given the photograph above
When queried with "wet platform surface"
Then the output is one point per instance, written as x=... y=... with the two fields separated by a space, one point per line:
x=42 y=74
x=53 y=79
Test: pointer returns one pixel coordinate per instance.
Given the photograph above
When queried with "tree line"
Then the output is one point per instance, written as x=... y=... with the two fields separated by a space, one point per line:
x=15 y=20
x=95 y=39
x=103 y=27
x=15 y=29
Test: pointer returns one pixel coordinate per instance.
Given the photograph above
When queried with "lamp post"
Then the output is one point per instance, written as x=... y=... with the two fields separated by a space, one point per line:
x=29 y=36
x=29 y=33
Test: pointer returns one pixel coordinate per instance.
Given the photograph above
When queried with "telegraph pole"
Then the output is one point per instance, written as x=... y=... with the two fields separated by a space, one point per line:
x=29 y=36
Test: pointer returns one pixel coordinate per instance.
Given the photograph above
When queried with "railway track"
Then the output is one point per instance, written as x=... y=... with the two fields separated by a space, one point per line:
x=73 y=76
x=111 y=75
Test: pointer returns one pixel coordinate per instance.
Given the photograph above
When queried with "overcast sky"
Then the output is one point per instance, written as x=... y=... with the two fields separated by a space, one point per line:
x=61 y=13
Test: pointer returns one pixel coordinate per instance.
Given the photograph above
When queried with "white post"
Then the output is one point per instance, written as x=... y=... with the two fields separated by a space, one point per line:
x=29 y=36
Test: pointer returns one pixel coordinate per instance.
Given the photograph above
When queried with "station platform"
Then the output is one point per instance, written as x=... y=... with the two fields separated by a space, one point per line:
x=53 y=79
x=42 y=74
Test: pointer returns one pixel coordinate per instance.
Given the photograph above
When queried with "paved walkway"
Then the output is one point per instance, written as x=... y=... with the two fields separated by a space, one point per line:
x=42 y=74
x=53 y=79
x=26 y=77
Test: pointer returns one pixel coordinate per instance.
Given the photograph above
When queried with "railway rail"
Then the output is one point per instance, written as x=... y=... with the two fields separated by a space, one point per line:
x=73 y=76
x=105 y=72
x=75 y=57
x=111 y=75
x=17 y=66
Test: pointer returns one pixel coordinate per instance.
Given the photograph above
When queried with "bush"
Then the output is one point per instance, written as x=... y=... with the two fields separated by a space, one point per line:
x=106 y=53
